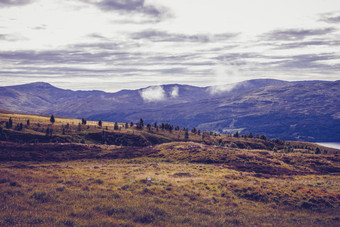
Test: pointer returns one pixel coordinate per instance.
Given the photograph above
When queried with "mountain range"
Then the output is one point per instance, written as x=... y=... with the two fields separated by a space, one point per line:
x=305 y=110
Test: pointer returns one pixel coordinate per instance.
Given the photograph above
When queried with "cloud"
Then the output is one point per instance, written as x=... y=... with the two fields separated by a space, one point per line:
x=162 y=36
x=310 y=62
x=296 y=34
x=8 y=3
x=153 y=94
x=293 y=45
x=132 y=6
x=332 y=18
x=225 y=76
x=11 y=37
x=174 y=92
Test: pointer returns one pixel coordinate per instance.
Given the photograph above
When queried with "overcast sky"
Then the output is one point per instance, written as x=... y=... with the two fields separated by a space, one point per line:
x=127 y=44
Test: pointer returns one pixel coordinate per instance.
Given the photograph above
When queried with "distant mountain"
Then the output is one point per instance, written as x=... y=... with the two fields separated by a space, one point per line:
x=290 y=110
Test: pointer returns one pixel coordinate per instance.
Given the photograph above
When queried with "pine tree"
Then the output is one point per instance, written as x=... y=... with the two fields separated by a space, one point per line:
x=28 y=123
x=116 y=126
x=186 y=135
x=100 y=123
x=52 y=120
x=141 y=123
x=194 y=130
x=10 y=123
x=317 y=151
x=83 y=121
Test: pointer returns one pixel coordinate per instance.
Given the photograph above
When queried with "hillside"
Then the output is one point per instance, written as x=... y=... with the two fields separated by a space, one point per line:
x=73 y=174
x=306 y=111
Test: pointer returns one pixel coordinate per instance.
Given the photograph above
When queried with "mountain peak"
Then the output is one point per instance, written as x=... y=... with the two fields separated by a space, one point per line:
x=40 y=84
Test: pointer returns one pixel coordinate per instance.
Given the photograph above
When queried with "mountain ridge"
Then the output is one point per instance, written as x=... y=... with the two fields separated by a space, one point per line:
x=304 y=110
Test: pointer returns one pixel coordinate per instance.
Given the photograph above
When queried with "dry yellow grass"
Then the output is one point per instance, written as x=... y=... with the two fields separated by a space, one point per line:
x=115 y=192
x=214 y=181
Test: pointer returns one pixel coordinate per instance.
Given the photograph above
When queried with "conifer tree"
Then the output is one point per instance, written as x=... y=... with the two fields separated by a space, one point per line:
x=100 y=123
x=52 y=120
x=116 y=126
x=141 y=123
x=10 y=123
x=186 y=135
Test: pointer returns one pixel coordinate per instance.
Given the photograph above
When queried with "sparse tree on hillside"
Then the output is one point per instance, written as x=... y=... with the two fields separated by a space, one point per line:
x=131 y=124
x=9 y=124
x=52 y=120
x=149 y=127
x=194 y=130
x=126 y=125
x=100 y=123
x=141 y=123
x=250 y=135
x=263 y=137
x=317 y=151
x=83 y=121
x=236 y=134
x=116 y=126
x=28 y=123
x=186 y=136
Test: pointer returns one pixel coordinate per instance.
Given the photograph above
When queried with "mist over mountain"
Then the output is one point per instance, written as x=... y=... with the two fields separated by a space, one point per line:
x=306 y=110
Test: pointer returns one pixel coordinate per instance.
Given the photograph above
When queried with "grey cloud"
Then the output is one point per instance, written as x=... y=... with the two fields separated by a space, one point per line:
x=162 y=36
x=11 y=37
x=330 y=18
x=296 y=34
x=300 y=45
x=306 y=62
x=7 y=3
x=131 y=6
x=65 y=56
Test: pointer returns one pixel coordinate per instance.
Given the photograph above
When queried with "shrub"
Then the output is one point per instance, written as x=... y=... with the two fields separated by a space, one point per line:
x=145 y=218
x=99 y=181
x=42 y=197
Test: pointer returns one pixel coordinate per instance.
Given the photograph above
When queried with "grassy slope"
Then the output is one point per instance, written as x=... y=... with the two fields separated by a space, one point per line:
x=215 y=181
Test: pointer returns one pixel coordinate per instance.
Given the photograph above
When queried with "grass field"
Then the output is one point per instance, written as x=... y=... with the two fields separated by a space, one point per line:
x=217 y=180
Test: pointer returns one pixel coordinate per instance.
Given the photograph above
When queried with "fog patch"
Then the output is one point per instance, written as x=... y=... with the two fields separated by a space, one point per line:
x=153 y=94
x=225 y=77
x=174 y=92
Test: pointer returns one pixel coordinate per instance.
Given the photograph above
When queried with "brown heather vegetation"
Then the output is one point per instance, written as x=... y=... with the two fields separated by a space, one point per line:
x=97 y=176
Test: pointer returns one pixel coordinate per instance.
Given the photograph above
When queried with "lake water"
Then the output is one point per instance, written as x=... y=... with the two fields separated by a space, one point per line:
x=330 y=144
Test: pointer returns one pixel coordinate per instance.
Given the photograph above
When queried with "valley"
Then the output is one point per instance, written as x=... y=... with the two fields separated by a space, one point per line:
x=67 y=173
